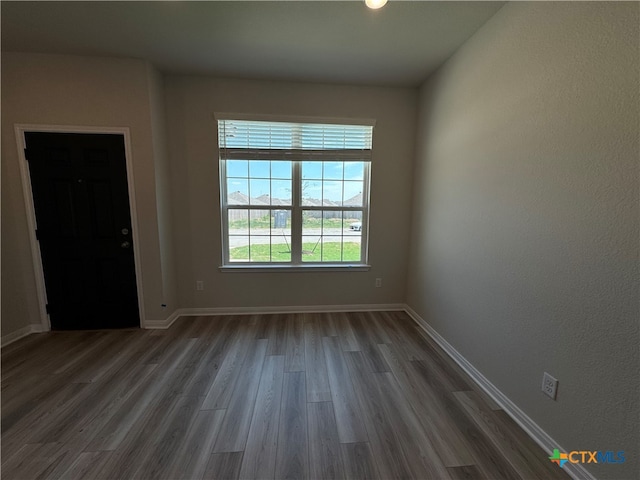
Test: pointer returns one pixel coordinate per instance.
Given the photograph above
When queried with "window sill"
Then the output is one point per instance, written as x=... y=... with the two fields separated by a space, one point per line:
x=295 y=268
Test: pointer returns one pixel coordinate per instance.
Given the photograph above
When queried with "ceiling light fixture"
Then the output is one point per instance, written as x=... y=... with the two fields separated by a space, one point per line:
x=375 y=4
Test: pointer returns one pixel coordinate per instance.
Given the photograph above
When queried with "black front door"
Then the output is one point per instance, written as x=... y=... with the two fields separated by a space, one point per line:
x=81 y=200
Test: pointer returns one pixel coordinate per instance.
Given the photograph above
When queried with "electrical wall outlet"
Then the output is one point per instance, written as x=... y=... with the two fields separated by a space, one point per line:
x=199 y=285
x=549 y=386
x=378 y=282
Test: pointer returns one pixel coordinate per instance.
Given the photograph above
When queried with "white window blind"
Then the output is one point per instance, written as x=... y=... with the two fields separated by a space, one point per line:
x=248 y=140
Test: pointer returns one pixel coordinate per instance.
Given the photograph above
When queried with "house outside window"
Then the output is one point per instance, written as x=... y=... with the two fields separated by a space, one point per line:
x=294 y=194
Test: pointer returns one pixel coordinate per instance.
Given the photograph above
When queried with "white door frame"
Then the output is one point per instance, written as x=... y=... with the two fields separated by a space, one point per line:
x=20 y=130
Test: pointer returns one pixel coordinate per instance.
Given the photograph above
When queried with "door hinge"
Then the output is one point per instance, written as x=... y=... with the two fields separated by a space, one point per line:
x=26 y=154
x=37 y=235
x=47 y=308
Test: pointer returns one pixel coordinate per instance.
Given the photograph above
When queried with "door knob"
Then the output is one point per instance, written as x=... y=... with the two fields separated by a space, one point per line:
x=125 y=244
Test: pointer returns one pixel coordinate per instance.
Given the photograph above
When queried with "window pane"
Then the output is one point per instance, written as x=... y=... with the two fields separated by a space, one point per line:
x=351 y=250
x=353 y=170
x=332 y=223
x=331 y=249
x=312 y=170
x=259 y=192
x=269 y=238
x=341 y=183
x=237 y=191
x=311 y=235
x=311 y=193
x=352 y=239
x=260 y=249
x=352 y=194
x=259 y=222
x=238 y=248
x=333 y=170
x=311 y=248
x=281 y=251
x=281 y=169
x=280 y=192
x=353 y=224
x=280 y=235
x=238 y=222
x=280 y=221
x=312 y=222
x=331 y=236
x=260 y=169
x=331 y=193
x=237 y=168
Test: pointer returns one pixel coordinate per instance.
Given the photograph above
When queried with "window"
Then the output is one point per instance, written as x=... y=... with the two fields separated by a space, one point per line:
x=294 y=194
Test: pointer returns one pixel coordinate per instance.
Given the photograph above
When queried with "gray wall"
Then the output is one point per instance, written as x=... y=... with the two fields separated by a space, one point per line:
x=524 y=252
x=163 y=189
x=191 y=104
x=76 y=91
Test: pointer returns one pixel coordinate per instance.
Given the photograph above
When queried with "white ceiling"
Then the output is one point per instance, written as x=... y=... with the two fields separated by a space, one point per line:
x=332 y=41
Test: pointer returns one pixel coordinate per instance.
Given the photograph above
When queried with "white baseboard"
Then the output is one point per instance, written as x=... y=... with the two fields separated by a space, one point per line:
x=537 y=434
x=161 y=324
x=18 y=334
x=196 y=312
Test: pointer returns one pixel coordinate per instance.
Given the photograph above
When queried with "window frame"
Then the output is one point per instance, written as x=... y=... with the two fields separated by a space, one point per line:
x=297 y=208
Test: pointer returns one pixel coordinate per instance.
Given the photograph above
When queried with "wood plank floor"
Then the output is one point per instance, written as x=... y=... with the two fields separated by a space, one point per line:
x=361 y=395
